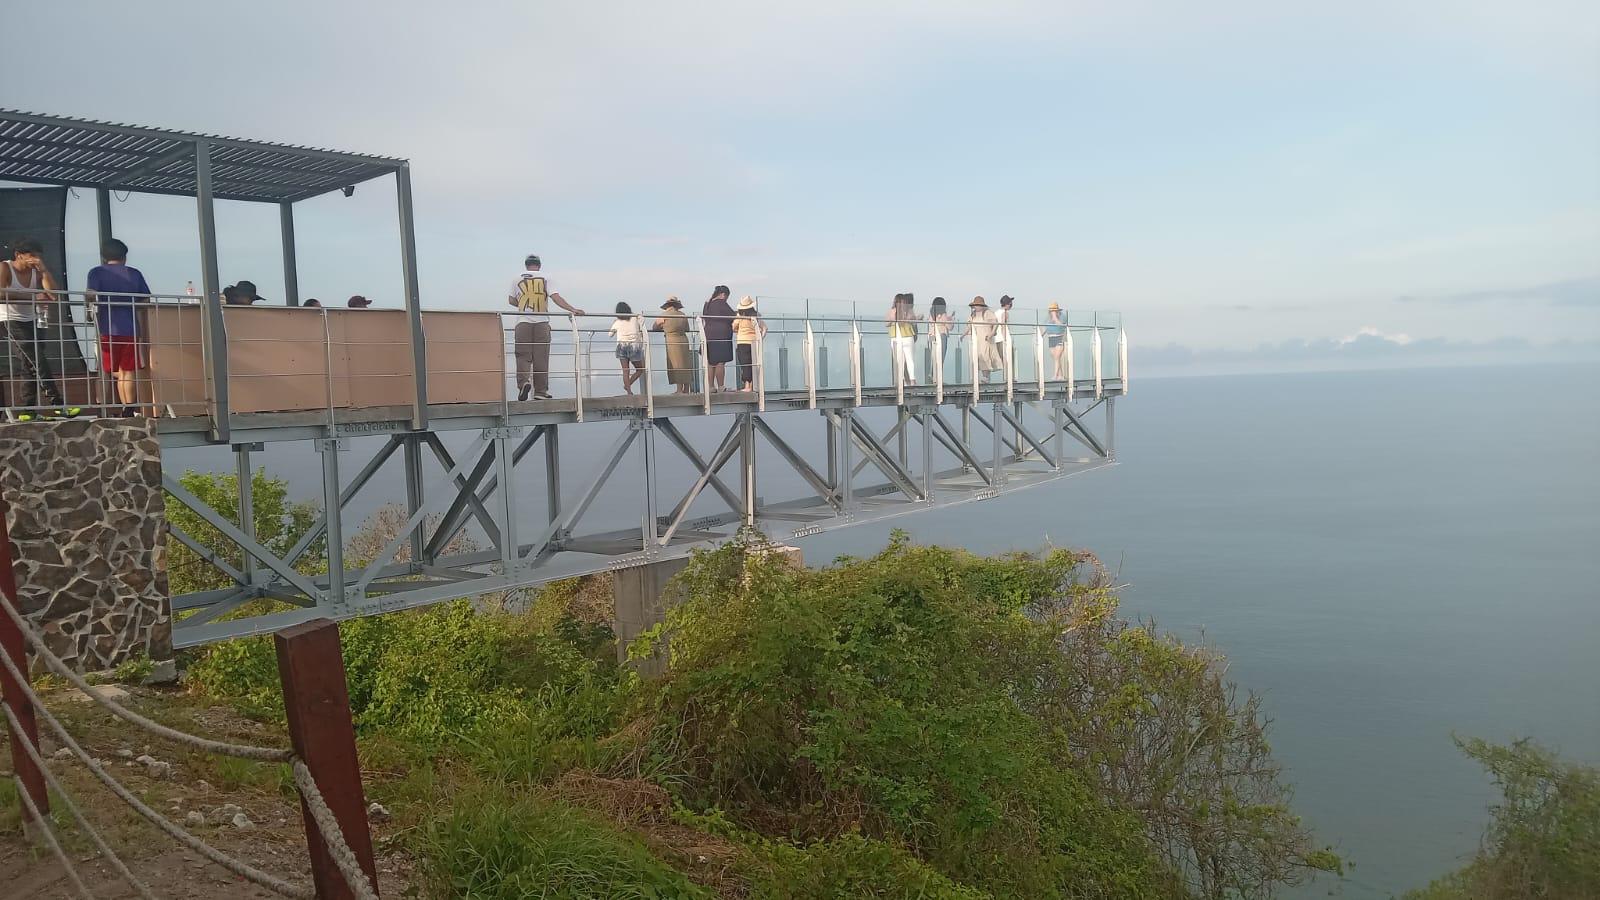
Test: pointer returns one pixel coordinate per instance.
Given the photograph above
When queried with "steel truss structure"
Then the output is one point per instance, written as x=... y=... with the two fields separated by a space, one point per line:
x=972 y=447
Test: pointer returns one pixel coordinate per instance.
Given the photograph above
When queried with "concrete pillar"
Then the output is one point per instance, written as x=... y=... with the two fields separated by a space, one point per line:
x=639 y=592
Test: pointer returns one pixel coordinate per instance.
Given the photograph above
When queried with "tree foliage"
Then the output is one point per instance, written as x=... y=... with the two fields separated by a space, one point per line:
x=1543 y=839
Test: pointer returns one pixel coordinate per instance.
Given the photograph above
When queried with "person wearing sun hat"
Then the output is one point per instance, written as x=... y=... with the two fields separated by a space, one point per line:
x=981 y=328
x=1055 y=334
x=748 y=329
x=680 y=361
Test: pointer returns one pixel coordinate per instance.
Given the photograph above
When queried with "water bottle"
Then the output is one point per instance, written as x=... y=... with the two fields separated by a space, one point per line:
x=189 y=289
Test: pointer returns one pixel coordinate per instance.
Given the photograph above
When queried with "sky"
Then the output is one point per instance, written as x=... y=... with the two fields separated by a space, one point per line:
x=1233 y=177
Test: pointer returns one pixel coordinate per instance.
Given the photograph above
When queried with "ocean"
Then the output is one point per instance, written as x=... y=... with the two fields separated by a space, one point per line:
x=1387 y=557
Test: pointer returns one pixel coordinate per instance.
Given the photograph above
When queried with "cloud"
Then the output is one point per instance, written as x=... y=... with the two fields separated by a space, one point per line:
x=1371 y=333
x=1579 y=292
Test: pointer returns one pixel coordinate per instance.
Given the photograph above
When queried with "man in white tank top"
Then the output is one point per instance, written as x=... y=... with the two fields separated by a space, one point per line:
x=24 y=285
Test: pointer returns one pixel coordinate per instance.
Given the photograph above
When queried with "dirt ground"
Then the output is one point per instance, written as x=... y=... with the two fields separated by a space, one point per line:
x=273 y=840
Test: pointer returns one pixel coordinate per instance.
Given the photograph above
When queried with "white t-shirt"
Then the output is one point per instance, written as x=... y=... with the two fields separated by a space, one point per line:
x=515 y=294
x=627 y=331
x=17 y=301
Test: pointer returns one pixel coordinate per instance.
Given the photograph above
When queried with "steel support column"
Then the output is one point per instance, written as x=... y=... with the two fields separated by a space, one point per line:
x=413 y=300
x=507 y=507
x=216 y=334
x=102 y=208
x=747 y=467
x=649 y=526
x=1111 y=428
x=244 y=476
x=411 y=444
x=552 y=472
x=329 y=448
x=291 y=269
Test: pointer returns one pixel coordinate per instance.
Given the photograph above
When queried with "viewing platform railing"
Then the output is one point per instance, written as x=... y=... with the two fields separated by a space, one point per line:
x=330 y=361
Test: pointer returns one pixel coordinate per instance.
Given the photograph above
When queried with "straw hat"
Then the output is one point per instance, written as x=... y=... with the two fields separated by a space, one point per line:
x=747 y=302
x=1054 y=307
x=672 y=303
x=978 y=301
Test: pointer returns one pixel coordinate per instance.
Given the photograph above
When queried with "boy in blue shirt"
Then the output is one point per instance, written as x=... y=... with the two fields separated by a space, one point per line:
x=119 y=293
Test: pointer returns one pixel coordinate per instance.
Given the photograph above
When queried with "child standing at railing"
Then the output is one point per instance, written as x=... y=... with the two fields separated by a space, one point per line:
x=748 y=330
x=117 y=290
x=630 y=345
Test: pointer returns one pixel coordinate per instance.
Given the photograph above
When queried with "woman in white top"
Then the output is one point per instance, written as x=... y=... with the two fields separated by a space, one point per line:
x=940 y=324
x=902 y=319
x=630 y=345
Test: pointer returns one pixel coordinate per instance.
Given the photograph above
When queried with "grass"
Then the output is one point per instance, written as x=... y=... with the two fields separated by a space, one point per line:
x=499 y=842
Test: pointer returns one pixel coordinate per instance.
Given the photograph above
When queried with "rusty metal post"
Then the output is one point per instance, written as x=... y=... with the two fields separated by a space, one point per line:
x=15 y=648
x=316 y=703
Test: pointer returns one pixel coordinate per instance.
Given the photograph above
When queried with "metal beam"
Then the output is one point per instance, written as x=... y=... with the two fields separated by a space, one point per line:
x=467 y=486
x=1024 y=435
x=481 y=450
x=1083 y=432
x=563 y=526
x=232 y=533
x=455 y=518
x=102 y=208
x=956 y=444
x=797 y=462
x=678 y=440
x=884 y=460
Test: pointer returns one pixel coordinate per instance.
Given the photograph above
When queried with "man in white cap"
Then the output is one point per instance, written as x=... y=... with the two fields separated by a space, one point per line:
x=531 y=293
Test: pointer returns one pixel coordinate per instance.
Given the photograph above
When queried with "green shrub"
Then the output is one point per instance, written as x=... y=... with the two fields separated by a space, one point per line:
x=886 y=696
x=1543 y=839
x=431 y=676
x=497 y=842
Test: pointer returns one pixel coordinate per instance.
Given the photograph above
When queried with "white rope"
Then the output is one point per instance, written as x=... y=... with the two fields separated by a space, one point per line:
x=49 y=834
x=55 y=664
x=332 y=835
x=243 y=870
x=72 y=807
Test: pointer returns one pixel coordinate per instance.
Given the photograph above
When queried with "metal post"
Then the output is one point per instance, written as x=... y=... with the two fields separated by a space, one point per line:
x=1094 y=354
x=705 y=369
x=747 y=461
x=552 y=471
x=1111 y=428
x=291 y=269
x=577 y=366
x=759 y=354
x=329 y=447
x=414 y=495
x=15 y=648
x=811 y=366
x=847 y=497
x=999 y=448
x=1067 y=355
x=216 y=348
x=649 y=368
x=936 y=360
x=649 y=529
x=509 y=548
x=247 y=506
x=102 y=208
x=1009 y=360
x=927 y=455
x=1038 y=361
x=856 y=373
x=903 y=437
x=408 y=269
x=316 y=702
x=1056 y=434
x=833 y=453
x=1122 y=359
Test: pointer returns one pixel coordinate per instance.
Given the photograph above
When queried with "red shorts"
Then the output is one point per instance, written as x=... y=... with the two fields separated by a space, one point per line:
x=119 y=353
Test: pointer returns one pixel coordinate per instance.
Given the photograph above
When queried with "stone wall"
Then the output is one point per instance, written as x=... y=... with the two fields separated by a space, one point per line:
x=87 y=516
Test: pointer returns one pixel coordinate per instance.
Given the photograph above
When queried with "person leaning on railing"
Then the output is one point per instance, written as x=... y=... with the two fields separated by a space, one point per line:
x=902 y=318
x=748 y=330
x=531 y=293
x=25 y=282
x=680 y=360
x=117 y=290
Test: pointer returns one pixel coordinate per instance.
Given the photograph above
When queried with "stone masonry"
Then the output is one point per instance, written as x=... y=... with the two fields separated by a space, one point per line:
x=86 y=513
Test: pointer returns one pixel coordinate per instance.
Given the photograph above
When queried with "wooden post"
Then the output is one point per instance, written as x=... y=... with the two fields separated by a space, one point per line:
x=15 y=648
x=317 y=705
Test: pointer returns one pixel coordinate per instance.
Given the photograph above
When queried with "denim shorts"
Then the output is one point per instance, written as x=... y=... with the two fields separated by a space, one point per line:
x=633 y=353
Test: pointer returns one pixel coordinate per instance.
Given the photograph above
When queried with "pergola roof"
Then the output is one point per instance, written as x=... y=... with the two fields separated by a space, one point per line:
x=83 y=153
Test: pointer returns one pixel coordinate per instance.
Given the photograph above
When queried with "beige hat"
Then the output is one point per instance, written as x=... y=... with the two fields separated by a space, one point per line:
x=1054 y=307
x=978 y=301
x=747 y=302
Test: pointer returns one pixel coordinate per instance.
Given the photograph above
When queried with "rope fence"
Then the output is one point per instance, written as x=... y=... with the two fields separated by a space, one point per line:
x=353 y=875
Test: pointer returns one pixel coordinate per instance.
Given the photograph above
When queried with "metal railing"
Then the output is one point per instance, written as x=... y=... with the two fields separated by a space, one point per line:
x=152 y=355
